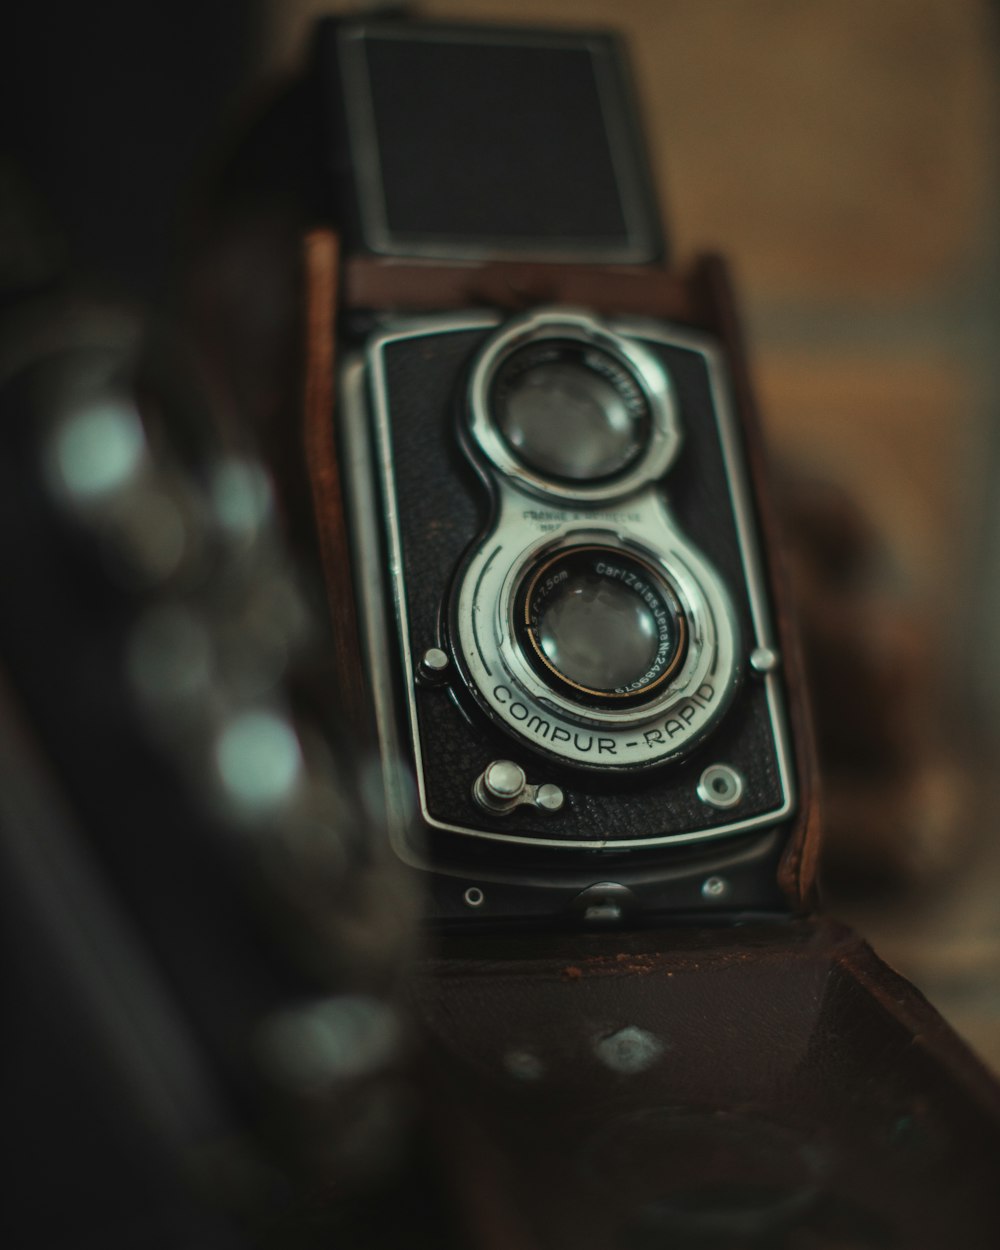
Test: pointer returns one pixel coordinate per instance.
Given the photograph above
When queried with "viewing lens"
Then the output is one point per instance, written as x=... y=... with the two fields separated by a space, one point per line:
x=602 y=625
x=570 y=411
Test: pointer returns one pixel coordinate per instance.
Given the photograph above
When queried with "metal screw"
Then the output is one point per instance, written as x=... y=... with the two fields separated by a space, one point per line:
x=474 y=897
x=720 y=786
x=764 y=660
x=715 y=887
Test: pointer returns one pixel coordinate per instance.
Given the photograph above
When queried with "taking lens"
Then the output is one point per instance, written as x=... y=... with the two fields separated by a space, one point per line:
x=570 y=411
x=602 y=626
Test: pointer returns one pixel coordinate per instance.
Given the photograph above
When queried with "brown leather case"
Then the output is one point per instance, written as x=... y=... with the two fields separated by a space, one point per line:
x=763 y=1086
x=772 y=1087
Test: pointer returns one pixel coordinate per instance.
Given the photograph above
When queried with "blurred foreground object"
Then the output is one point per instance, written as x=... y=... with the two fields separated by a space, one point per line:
x=209 y=935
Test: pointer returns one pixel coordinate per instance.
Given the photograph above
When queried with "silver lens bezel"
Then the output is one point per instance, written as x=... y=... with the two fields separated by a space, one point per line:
x=704 y=613
x=663 y=442
x=499 y=674
x=531 y=584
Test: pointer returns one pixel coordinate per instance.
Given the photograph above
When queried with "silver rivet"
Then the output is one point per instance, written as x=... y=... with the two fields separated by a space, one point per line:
x=550 y=797
x=715 y=887
x=474 y=897
x=720 y=786
x=434 y=664
x=764 y=660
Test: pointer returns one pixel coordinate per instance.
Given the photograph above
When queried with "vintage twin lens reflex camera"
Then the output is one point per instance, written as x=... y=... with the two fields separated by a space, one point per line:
x=564 y=609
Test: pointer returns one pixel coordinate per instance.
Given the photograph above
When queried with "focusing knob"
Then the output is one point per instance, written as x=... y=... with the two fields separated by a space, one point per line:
x=499 y=786
x=502 y=786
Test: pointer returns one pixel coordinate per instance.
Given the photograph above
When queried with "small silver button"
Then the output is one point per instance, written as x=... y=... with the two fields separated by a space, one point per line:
x=764 y=660
x=720 y=786
x=504 y=779
x=434 y=664
x=499 y=786
x=549 y=797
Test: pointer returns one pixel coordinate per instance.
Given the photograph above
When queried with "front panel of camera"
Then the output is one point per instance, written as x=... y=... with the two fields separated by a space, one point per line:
x=578 y=655
x=583 y=622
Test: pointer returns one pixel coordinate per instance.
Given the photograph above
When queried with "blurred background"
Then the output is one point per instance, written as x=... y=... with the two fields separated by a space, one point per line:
x=845 y=157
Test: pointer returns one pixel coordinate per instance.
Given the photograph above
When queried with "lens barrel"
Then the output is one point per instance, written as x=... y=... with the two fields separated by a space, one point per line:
x=570 y=411
x=601 y=626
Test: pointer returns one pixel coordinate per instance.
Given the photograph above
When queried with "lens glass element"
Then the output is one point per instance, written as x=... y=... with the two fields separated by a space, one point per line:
x=602 y=625
x=570 y=411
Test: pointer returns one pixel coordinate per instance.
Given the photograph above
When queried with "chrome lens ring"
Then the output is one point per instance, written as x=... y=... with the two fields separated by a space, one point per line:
x=570 y=411
x=507 y=681
x=602 y=625
x=613 y=395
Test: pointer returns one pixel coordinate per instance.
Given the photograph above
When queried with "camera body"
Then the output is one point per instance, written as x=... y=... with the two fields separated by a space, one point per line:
x=565 y=615
x=568 y=637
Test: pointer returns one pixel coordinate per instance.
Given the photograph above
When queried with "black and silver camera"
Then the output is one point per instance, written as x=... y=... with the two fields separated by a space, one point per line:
x=566 y=615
